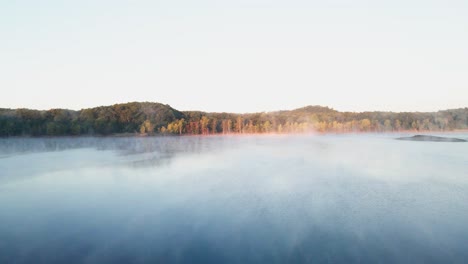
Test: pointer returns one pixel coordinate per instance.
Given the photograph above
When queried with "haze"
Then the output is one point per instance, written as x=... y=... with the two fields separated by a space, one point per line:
x=358 y=198
x=235 y=56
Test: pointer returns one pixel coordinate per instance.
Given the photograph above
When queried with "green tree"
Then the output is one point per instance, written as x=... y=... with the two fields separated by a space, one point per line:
x=267 y=126
x=388 y=125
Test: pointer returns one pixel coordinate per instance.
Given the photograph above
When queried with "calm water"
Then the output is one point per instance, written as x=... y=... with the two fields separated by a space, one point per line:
x=258 y=199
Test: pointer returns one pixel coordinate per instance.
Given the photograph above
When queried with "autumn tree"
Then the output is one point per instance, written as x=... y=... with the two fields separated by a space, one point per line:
x=365 y=124
x=239 y=125
x=146 y=127
x=204 y=125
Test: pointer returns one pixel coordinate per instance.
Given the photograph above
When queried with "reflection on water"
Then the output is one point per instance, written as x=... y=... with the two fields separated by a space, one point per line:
x=260 y=199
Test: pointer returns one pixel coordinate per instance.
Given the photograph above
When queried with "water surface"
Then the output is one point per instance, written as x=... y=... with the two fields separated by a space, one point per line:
x=239 y=199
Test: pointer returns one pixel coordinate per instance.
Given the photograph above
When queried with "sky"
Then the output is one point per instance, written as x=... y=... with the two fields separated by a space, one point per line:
x=235 y=56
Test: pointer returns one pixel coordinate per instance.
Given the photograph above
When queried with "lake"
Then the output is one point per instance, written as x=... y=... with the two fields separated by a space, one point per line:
x=233 y=199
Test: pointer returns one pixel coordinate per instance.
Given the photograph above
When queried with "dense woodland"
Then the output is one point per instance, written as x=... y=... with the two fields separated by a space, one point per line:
x=155 y=118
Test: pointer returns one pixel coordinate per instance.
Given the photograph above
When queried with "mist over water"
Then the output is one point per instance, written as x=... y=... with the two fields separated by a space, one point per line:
x=239 y=199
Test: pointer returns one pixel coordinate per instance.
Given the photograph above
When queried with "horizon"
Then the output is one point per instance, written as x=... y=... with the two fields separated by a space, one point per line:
x=243 y=57
x=241 y=113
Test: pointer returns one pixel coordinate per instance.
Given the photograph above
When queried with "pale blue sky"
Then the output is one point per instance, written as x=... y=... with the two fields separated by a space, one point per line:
x=237 y=56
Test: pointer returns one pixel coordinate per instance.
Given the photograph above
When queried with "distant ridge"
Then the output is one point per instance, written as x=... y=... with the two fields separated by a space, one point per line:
x=147 y=118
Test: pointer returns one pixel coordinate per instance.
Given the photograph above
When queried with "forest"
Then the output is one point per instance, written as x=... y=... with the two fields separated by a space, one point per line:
x=146 y=118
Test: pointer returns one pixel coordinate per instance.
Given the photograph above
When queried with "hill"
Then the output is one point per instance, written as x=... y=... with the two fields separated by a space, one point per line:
x=157 y=118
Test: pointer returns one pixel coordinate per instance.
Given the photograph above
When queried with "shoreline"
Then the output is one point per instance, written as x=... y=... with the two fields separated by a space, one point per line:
x=138 y=135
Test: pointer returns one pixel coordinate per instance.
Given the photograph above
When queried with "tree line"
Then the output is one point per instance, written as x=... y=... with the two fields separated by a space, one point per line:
x=155 y=118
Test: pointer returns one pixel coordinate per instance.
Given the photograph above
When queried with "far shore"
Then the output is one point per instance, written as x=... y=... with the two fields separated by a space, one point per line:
x=120 y=135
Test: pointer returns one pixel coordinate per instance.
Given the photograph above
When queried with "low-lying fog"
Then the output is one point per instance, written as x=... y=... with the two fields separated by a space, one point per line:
x=239 y=199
